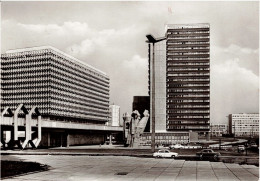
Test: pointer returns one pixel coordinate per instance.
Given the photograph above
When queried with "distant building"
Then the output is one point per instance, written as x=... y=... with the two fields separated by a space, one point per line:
x=244 y=125
x=218 y=129
x=142 y=103
x=114 y=112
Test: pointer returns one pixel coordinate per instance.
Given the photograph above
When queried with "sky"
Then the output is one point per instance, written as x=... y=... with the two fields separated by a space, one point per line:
x=111 y=37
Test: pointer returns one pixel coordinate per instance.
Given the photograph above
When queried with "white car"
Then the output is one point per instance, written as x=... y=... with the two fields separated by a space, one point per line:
x=165 y=153
x=177 y=146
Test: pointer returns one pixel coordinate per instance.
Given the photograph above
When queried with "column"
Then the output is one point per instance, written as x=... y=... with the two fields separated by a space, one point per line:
x=207 y=136
x=110 y=139
x=49 y=139
x=68 y=140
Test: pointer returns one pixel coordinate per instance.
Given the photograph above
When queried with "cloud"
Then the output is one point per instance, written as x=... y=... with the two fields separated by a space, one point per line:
x=67 y=28
x=111 y=37
x=245 y=57
x=60 y=36
x=234 y=89
x=99 y=40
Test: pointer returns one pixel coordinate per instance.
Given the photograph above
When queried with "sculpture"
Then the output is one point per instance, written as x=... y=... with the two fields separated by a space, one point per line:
x=134 y=128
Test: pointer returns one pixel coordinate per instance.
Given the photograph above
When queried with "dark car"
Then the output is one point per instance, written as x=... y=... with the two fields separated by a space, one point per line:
x=208 y=153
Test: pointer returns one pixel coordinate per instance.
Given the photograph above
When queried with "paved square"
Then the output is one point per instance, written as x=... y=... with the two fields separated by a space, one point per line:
x=115 y=168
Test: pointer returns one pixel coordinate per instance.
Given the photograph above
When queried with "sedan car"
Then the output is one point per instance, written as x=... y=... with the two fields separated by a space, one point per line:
x=177 y=146
x=208 y=153
x=240 y=148
x=165 y=153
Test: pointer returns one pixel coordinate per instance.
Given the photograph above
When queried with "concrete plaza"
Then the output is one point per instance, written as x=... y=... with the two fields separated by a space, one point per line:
x=110 y=168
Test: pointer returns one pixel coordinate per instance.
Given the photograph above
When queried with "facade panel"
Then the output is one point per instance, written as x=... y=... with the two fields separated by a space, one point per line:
x=62 y=87
x=188 y=79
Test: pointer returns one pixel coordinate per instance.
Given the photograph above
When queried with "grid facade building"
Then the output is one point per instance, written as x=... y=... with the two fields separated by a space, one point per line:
x=218 y=129
x=188 y=77
x=245 y=125
x=61 y=86
x=182 y=78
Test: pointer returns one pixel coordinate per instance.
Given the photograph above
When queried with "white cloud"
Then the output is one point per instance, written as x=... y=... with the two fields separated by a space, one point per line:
x=66 y=29
x=100 y=39
x=86 y=47
x=234 y=89
x=244 y=56
x=111 y=37
x=233 y=48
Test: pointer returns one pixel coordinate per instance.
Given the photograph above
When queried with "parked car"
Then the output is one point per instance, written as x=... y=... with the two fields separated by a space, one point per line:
x=253 y=145
x=177 y=146
x=208 y=153
x=165 y=153
x=240 y=148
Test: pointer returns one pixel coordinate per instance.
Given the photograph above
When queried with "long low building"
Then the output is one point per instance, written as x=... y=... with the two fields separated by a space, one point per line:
x=66 y=90
x=244 y=124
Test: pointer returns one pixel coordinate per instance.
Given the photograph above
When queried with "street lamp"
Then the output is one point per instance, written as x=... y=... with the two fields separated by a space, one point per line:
x=153 y=40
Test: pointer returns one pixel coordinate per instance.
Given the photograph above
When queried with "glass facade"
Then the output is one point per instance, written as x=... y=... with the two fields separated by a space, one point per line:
x=62 y=87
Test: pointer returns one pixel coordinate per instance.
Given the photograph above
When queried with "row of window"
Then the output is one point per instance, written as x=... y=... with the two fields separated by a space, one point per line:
x=188 y=42
x=187 y=32
x=188 y=48
x=70 y=84
x=78 y=70
x=80 y=101
x=188 y=111
x=197 y=58
x=187 y=127
x=183 y=81
x=78 y=91
x=186 y=122
x=68 y=107
x=68 y=73
x=189 y=74
x=173 y=37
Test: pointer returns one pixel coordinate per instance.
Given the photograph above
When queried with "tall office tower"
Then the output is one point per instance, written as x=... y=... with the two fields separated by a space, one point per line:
x=181 y=78
x=61 y=86
x=188 y=77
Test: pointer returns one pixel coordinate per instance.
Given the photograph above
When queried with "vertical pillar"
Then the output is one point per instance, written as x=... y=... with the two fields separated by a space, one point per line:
x=15 y=130
x=68 y=140
x=61 y=139
x=28 y=130
x=48 y=139
x=207 y=136
x=28 y=134
x=39 y=131
x=110 y=139
x=153 y=103
x=2 y=138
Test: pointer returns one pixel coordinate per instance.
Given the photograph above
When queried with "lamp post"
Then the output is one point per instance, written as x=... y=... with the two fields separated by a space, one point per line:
x=152 y=40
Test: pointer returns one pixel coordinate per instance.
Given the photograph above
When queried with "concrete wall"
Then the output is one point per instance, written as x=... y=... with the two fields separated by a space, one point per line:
x=160 y=86
x=59 y=139
x=88 y=139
